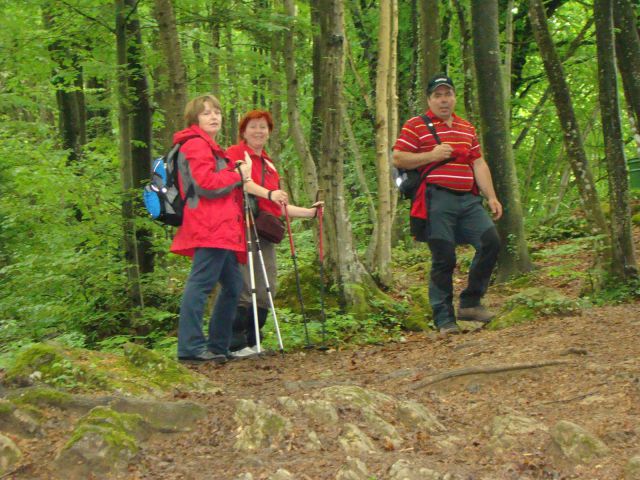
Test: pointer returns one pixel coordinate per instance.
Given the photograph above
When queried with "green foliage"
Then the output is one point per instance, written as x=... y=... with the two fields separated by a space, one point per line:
x=544 y=301
x=560 y=227
x=614 y=291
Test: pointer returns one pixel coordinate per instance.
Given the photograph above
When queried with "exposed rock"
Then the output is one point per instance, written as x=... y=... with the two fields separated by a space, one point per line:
x=414 y=415
x=576 y=443
x=42 y=396
x=23 y=422
x=505 y=430
x=354 y=396
x=314 y=442
x=289 y=405
x=245 y=476
x=320 y=411
x=258 y=426
x=9 y=454
x=281 y=474
x=103 y=444
x=355 y=442
x=178 y=416
x=354 y=469
x=404 y=470
x=632 y=470
x=382 y=429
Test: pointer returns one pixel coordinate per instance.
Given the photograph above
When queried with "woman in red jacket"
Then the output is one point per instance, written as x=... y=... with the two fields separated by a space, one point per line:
x=212 y=231
x=255 y=128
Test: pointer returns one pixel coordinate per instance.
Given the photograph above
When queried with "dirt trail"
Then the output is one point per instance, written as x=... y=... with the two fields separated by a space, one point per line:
x=595 y=384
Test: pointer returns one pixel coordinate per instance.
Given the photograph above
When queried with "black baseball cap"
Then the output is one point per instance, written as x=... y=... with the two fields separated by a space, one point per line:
x=437 y=80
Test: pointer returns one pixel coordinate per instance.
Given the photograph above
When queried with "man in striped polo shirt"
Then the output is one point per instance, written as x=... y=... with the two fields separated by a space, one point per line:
x=447 y=210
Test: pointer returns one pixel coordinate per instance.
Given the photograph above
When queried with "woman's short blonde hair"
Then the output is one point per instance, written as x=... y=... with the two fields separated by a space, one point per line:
x=196 y=106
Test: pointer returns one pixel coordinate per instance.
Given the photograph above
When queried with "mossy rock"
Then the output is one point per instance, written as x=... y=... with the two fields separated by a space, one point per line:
x=53 y=365
x=420 y=313
x=103 y=443
x=519 y=314
x=41 y=397
x=544 y=301
x=138 y=371
x=636 y=219
x=287 y=295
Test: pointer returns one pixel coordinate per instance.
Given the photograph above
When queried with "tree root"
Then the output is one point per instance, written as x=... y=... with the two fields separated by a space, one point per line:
x=485 y=370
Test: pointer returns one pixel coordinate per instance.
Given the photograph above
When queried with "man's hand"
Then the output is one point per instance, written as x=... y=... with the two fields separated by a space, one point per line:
x=441 y=152
x=279 y=196
x=496 y=208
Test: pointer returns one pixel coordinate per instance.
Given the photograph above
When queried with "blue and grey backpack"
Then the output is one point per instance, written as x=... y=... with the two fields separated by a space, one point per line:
x=162 y=195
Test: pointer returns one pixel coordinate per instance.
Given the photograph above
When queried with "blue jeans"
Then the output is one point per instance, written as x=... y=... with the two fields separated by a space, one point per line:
x=210 y=266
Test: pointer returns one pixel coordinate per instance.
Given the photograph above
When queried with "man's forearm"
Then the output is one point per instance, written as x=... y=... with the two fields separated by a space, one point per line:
x=411 y=161
x=484 y=180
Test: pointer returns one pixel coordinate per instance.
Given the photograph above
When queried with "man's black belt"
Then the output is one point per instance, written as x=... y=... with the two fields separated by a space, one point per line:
x=439 y=187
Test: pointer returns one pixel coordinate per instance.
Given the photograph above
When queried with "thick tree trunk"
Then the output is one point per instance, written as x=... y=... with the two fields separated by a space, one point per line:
x=628 y=53
x=126 y=159
x=623 y=261
x=176 y=71
x=470 y=103
x=383 y=242
x=514 y=256
x=429 y=43
x=343 y=261
x=309 y=175
x=570 y=128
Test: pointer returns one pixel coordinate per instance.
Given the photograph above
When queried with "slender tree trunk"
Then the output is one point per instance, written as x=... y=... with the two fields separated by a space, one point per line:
x=470 y=103
x=68 y=82
x=628 y=53
x=570 y=128
x=508 y=54
x=214 y=58
x=394 y=123
x=309 y=175
x=408 y=77
x=316 y=127
x=575 y=44
x=177 y=73
x=623 y=261
x=126 y=159
x=343 y=261
x=514 y=256
x=232 y=122
x=383 y=250
x=429 y=43
x=275 y=87
x=140 y=116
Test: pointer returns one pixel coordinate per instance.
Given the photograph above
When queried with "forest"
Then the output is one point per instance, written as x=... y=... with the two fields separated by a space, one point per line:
x=91 y=91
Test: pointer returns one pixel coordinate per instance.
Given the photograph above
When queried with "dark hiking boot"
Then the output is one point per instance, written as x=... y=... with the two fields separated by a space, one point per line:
x=449 y=329
x=204 y=357
x=475 y=314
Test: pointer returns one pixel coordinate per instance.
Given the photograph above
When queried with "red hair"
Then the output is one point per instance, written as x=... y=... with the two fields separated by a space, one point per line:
x=254 y=115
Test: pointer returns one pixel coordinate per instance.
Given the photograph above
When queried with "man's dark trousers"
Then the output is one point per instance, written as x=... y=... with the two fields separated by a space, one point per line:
x=457 y=218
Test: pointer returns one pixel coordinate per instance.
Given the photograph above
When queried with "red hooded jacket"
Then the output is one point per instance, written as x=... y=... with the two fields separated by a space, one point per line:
x=212 y=218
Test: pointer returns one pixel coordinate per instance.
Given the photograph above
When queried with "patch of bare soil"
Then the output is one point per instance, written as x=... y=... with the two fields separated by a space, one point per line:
x=597 y=386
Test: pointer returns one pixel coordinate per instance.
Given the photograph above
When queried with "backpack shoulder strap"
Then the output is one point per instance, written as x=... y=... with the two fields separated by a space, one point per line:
x=429 y=123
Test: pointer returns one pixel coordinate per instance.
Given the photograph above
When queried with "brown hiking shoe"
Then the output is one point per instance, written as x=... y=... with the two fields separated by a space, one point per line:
x=449 y=329
x=475 y=314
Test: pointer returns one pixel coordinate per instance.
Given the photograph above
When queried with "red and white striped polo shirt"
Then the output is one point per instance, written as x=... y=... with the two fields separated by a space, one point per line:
x=457 y=174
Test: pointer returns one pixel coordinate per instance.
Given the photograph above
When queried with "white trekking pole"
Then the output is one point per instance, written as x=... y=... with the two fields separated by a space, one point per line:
x=268 y=287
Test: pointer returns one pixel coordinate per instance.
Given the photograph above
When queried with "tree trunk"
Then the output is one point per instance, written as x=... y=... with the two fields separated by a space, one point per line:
x=508 y=55
x=514 y=256
x=140 y=117
x=343 y=262
x=309 y=175
x=177 y=73
x=623 y=262
x=126 y=159
x=214 y=58
x=382 y=258
x=429 y=43
x=232 y=122
x=394 y=123
x=67 y=81
x=470 y=103
x=575 y=44
x=570 y=128
x=628 y=53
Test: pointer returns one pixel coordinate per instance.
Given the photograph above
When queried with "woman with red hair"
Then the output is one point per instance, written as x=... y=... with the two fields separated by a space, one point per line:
x=254 y=131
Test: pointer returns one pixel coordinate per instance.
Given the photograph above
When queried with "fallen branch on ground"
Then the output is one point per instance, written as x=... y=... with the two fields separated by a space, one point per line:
x=486 y=370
